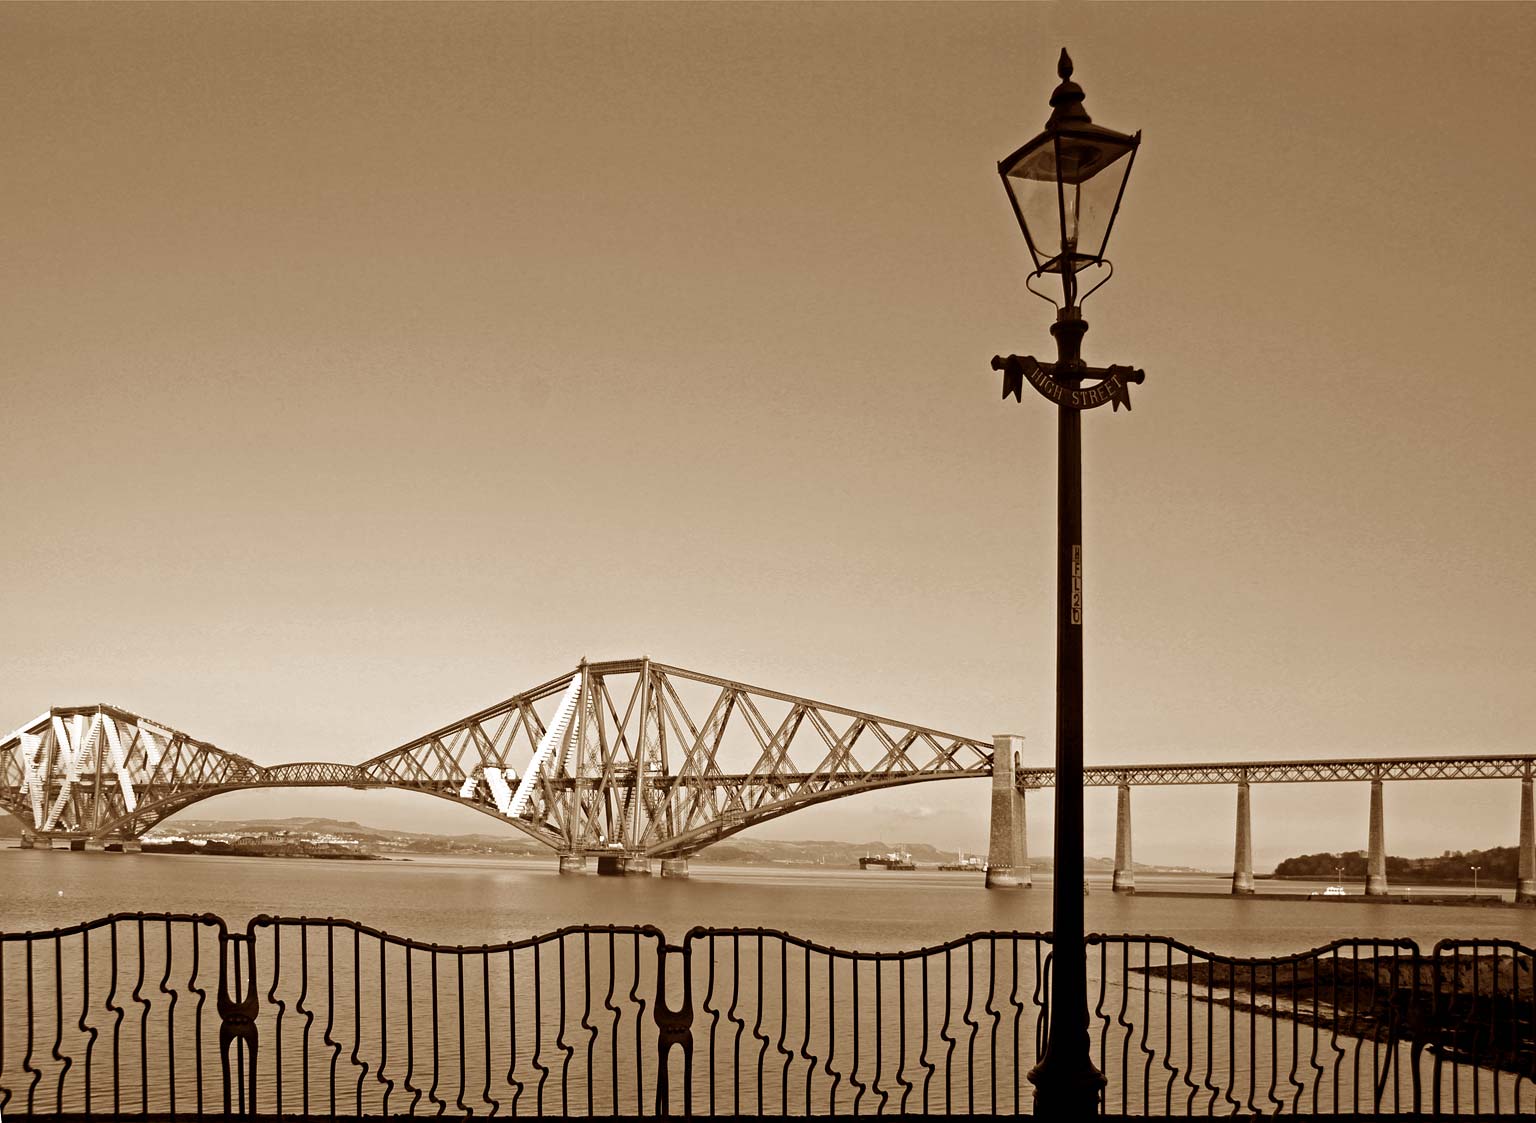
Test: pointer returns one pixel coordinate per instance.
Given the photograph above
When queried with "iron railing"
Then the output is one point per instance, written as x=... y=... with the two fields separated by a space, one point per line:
x=177 y=1015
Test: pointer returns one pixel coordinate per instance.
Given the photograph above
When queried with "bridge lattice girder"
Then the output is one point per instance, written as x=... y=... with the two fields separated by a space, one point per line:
x=662 y=761
x=101 y=770
x=650 y=758
x=1511 y=767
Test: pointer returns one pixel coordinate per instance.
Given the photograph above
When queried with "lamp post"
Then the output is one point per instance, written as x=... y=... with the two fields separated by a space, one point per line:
x=1474 y=879
x=1065 y=187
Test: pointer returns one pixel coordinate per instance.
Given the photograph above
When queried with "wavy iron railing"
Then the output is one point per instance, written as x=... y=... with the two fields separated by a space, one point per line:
x=176 y=1015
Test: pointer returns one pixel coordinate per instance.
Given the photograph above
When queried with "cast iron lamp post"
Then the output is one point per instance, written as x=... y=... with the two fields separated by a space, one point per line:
x=1065 y=186
x=1474 y=879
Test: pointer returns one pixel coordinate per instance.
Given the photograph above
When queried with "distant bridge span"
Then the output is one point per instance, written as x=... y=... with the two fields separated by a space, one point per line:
x=634 y=757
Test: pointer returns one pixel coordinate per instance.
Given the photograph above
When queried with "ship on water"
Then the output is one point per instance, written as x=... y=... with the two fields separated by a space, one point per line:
x=891 y=861
x=968 y=862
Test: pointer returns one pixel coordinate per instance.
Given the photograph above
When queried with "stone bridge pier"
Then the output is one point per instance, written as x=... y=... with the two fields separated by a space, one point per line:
x=1125 y=870
x=1242 y=859
x=1525 y=886
x=1008 y=846
x=1376 y=860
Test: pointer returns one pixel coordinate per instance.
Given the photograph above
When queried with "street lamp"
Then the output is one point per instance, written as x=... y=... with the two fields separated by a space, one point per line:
x=1474 y=879
x=1065 y=188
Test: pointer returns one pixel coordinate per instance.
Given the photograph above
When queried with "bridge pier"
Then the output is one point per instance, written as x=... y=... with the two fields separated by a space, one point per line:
x=674 y=867
x=1376 y=863
x=623 y=865
x=95 y=845
x=1125 y=871
x=1002 y=849
x=27 y=841
x=573 y=863
x=1242 y=859
x=132 y=846
x=1525 y=886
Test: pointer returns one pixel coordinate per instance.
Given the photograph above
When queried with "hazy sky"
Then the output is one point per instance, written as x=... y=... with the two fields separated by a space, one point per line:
x=365 y=365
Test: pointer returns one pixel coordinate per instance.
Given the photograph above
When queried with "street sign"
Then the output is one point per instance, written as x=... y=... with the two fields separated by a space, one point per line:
x=1114 y=387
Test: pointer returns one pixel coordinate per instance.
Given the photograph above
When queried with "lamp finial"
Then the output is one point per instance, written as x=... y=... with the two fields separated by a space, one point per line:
x=1064 y=65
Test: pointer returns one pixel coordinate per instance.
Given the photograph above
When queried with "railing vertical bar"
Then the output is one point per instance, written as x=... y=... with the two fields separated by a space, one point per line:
x=901 y=1042
x=330 y=1006
x=458 y=1007
x=929 y=1068
x=757 y=1025
x=812 y=1060
x=1295 y=1018
x=309 y=1015
x=516 y=1084
x=538 y=1032
x=586 y=1011
x=90 y=1030
x=1018 y=1026
x=837 y=1077
x=357 y=1016
x=1478 y=1036
x=58 y=1023
x=410 y=1032
x=608 y=1004
x=1455 y=1023
x=437 y=1045
x=384 y=1078
x=788 y=1056
x=138 y=996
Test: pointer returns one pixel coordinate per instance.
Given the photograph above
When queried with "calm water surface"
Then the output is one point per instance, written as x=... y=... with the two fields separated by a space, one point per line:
x=472 y=900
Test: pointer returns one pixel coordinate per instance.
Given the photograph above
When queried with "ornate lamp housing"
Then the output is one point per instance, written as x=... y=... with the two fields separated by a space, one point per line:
x=1066 y=184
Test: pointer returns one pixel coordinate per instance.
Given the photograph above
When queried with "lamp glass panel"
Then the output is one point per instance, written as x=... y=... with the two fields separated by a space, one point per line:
x=1072 y=223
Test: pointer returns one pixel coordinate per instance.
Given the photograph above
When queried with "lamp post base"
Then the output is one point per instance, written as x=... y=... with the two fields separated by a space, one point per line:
x=1067 y=1090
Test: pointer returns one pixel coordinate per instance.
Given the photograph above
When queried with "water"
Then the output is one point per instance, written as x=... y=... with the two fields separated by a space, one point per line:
x=474 y=900
x=348 y=1021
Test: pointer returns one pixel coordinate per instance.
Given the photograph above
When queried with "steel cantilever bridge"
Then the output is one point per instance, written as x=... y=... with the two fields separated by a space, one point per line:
x=633 y=757
x=635 y=760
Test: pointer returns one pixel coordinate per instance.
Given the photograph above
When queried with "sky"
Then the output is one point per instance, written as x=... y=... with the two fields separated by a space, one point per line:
x=365 y=365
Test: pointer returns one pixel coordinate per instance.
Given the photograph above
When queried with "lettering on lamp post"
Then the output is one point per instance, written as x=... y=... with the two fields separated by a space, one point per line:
x=1044 y=377
x=1077 y=584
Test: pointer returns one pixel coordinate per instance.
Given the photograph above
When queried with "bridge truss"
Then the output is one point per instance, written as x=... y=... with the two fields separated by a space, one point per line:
x=659 y=761
x=631 y=756
x=1513 y=767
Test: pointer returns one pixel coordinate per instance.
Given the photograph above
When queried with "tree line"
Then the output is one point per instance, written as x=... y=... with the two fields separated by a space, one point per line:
x=1497 y=866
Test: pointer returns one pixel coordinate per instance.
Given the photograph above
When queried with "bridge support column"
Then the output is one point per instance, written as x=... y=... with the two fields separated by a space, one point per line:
x=573 y=863
x=95 y=845
x=1242 y=859
x=1525 y=886
x=1125 y=870
x=674 y=867
x=1021 y=869
x=132 y=846
x=1376 y=862
x=28 y=840
x=1002 y=848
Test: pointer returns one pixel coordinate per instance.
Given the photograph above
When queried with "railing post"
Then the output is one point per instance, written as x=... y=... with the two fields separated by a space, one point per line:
x=237 y=1021
x=673 y=1027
